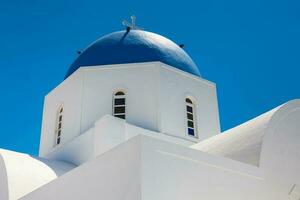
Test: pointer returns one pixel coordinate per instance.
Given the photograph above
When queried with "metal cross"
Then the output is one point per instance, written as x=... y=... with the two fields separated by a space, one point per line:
x=131 y=25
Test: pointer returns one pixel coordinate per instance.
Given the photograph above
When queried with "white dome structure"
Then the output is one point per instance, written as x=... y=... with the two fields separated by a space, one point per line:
x=21 y=173
x=134 y=120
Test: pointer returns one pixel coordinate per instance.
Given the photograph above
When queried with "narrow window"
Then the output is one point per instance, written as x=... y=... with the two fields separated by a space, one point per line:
x=190 y=116
x=119 y=105
x=58 y=131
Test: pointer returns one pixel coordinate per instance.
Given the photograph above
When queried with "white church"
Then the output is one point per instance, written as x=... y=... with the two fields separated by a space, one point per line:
x=134 y=120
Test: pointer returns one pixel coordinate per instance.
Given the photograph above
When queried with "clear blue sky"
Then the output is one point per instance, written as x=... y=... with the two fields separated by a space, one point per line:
x=250 y=49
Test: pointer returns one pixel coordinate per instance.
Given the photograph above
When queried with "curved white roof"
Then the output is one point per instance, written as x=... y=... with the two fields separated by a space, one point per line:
x=242 y=143
x=245 y=142
x=20 y=173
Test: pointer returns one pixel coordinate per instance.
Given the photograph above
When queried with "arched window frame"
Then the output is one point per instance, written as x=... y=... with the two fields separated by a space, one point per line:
x=59 y=125
x=191 y=120
x=119 y=104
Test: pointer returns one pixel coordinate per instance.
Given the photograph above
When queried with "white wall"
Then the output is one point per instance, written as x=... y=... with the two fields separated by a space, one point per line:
x=173 y=172
x=149 y=169
x=68 y=94
x=114 y=175
x=155 y=100
x=174 y=87
x=139 y=81
x=107 y=133
x=77 y=151
x=280 y=156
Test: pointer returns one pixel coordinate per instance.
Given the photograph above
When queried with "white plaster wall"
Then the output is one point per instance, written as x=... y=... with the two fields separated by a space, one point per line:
x=139 y=81
x=155 y=100
x=174 y=87
x=87 y=95
x=107 y=133
x=78 y=150
x=111 y=132
x=173 y=172
x=149 y=169
x=135 y=130
x=68 y=94
x=114 y=175
x=280 y=156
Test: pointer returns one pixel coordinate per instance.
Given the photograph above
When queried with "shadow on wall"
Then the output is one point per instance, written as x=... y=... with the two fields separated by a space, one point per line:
x=58 y=167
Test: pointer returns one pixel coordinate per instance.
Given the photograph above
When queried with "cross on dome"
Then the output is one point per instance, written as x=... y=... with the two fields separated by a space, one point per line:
x=131 y=25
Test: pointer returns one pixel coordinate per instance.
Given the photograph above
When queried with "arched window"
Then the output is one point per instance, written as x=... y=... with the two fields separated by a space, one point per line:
x=190 y=115
x=119 y=105
x=59 y=120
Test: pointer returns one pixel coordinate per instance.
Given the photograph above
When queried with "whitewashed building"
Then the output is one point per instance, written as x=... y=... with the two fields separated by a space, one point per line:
x=134 y=120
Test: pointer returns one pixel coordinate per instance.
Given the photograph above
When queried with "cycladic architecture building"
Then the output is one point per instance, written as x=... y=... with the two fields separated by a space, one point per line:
x=134 y=120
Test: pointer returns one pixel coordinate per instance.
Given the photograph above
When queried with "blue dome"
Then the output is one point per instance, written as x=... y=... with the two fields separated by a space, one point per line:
x=133 y=47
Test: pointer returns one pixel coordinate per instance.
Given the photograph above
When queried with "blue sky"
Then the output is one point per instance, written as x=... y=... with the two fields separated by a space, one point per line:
x=250 y=49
